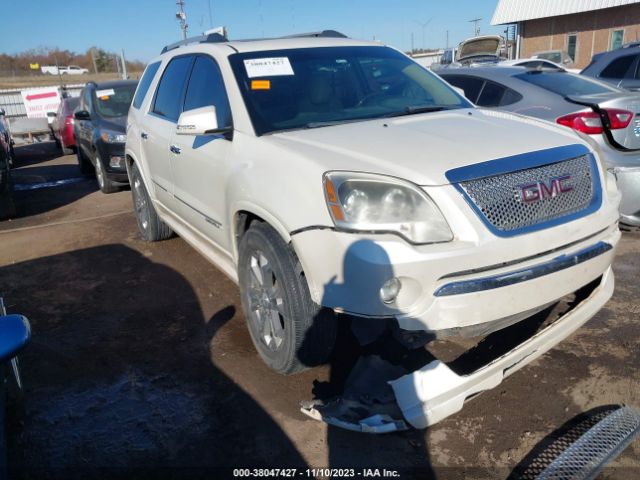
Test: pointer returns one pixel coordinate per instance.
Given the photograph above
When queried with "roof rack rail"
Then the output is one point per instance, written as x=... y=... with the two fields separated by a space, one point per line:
x=209 y=38
x=218 y=38
x=321 y=34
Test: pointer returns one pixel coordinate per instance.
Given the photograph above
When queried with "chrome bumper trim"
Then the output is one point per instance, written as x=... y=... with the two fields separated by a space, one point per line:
x=502 y=280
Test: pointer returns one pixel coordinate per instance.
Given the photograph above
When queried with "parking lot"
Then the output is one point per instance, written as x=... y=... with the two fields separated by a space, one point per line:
x=140 y=358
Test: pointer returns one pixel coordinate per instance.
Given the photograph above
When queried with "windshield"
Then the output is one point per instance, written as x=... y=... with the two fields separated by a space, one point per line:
x=314 y=87
x=115 y=101
x=565 y=84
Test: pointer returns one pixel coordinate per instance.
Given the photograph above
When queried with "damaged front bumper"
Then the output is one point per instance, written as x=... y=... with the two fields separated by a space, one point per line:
x=436 y=390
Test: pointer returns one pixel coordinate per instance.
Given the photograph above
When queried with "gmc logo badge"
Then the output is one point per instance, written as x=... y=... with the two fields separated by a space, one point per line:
x=534 y=192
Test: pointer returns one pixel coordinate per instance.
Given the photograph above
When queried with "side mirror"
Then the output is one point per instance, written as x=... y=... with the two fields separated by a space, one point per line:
x=82 y=115
x=200 y=121
x=2 y=112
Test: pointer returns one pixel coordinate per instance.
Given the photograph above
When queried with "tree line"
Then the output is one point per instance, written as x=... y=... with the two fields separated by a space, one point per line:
x=20 y=63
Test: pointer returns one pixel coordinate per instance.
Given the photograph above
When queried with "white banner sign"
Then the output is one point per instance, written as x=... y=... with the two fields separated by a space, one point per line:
x=39 y=101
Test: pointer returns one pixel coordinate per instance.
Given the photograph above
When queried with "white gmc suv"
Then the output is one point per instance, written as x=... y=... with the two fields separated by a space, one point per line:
x=331 y=176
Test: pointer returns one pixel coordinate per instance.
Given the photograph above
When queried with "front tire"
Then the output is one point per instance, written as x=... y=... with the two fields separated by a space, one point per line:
x=106 y=185
x=7 y=204
x=290 y=332
x=84 y=164
x=151 y=227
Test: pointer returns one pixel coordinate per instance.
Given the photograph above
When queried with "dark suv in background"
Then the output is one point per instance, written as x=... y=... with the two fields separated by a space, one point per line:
x=100 y=131
x=620 y=67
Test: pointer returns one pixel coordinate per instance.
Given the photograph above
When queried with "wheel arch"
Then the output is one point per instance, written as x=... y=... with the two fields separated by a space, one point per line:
x=243 y=214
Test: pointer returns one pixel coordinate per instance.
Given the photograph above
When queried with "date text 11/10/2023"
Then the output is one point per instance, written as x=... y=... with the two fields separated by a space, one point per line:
x=315 y=473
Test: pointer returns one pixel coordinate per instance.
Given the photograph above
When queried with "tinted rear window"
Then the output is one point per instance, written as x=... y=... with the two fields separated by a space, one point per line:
x=145 y=83
x=618 y=68
x=496 y=95
x=470 y=85
x=565 y=84
x=484 y=93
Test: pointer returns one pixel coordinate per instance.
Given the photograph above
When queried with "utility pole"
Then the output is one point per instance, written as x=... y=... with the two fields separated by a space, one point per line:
x=181 y=16
x=447 y=42
x=210 y=15
x=93 y=59
x=124 y=65
x=412 y=43
x=476 y=26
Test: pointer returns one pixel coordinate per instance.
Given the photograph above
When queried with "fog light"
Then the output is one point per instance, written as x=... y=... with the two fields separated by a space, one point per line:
x=390 y=290
x=116 y=162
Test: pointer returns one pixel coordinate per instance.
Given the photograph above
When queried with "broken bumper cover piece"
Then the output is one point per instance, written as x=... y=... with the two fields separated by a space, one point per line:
x=434 y=392
x=338 y=415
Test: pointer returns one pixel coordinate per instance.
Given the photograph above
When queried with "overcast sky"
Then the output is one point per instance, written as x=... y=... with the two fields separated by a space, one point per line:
x=143 y=27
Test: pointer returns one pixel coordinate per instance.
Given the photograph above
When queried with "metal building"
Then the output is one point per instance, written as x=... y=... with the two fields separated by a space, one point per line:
x=581 y=28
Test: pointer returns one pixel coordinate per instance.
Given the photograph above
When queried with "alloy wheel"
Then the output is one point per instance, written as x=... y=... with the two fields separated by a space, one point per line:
x=266 y=303
x=140 y=203
x=99 y=173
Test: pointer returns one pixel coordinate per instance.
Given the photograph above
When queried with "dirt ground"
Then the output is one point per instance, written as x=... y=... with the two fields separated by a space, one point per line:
x=141 y=366
x=39 y=80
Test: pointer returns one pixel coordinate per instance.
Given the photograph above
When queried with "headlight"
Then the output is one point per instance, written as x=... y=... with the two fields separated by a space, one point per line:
x=376 y=203
x=113 y=137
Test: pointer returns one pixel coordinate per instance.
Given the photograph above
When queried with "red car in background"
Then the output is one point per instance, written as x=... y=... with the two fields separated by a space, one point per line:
x=62 y=125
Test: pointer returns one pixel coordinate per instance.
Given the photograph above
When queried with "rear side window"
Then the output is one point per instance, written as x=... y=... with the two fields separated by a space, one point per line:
x=618 y=68
x=470 y=85
x=145 y=83
x=171 y=87
x=496 y=95
x=484 y=93
x=206 y=88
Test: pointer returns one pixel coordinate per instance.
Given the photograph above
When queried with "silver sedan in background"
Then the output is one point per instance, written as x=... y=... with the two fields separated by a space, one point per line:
x=608 y=115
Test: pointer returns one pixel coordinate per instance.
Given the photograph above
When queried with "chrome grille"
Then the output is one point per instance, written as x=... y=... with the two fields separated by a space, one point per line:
x=499 y=197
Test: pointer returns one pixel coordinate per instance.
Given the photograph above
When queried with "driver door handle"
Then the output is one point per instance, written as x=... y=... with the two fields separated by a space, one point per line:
x=144 y=136
x=175 y=149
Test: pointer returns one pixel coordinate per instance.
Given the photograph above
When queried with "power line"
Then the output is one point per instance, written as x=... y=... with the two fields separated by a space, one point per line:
x=423 y=25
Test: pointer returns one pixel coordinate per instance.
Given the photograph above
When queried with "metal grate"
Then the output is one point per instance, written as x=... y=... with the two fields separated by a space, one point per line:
x=583 y=447
x=588 y=455
x=500 y=198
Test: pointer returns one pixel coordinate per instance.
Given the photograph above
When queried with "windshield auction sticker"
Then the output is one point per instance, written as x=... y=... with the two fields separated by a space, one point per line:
x=105 y=93
x=268 y=67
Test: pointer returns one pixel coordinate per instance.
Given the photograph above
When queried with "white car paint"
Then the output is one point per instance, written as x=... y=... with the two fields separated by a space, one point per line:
x=278 y=177
x=522 y=62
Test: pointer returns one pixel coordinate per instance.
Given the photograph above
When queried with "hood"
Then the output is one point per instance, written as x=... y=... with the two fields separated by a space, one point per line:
x=422 y=148
x=117 y=124
x=487 y=45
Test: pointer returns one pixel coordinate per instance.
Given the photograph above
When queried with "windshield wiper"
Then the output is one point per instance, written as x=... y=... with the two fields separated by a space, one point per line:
x=333 y=122
x=413 y=109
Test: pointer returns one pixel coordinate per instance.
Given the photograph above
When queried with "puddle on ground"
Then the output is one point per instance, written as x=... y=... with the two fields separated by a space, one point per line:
x=56 y=183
